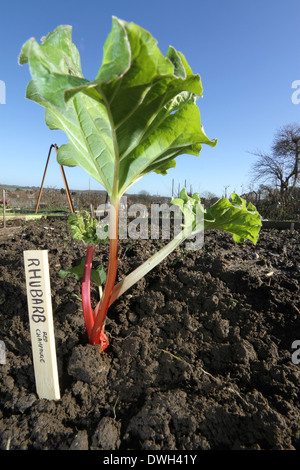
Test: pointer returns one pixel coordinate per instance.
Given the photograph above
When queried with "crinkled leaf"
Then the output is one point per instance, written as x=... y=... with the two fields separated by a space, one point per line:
x=84 y=227
x=98 y=275
x=192 y=209
x=136 y=117
x=242 y=221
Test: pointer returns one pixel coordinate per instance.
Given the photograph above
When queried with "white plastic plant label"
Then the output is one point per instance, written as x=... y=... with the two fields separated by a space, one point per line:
x=41 y=323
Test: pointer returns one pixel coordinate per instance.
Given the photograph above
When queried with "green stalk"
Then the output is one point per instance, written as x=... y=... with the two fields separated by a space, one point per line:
x=146 y=267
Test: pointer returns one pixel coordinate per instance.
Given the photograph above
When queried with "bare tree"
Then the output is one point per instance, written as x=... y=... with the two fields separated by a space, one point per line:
x=280 y=167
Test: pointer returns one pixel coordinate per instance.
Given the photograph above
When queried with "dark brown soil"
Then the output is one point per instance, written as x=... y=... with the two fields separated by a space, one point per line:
x=200 y=354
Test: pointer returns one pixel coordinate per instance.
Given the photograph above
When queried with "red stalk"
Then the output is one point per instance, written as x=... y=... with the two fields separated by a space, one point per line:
x=86 y=290
x=97 y=335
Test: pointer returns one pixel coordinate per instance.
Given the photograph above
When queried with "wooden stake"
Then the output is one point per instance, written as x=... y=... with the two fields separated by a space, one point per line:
x=41 y=323
x=64 y=178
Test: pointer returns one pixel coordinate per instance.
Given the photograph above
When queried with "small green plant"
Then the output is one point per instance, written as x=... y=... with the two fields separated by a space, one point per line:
x=232 y=302
x=136 y=117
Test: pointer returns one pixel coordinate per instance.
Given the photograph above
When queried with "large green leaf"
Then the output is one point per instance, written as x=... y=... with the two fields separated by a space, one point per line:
x=136 y=117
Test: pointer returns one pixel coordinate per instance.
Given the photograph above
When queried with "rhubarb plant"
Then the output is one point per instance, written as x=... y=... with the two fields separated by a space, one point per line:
x=136 y=117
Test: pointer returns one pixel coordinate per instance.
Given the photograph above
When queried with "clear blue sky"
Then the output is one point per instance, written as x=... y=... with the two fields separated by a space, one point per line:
x=247 y=53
